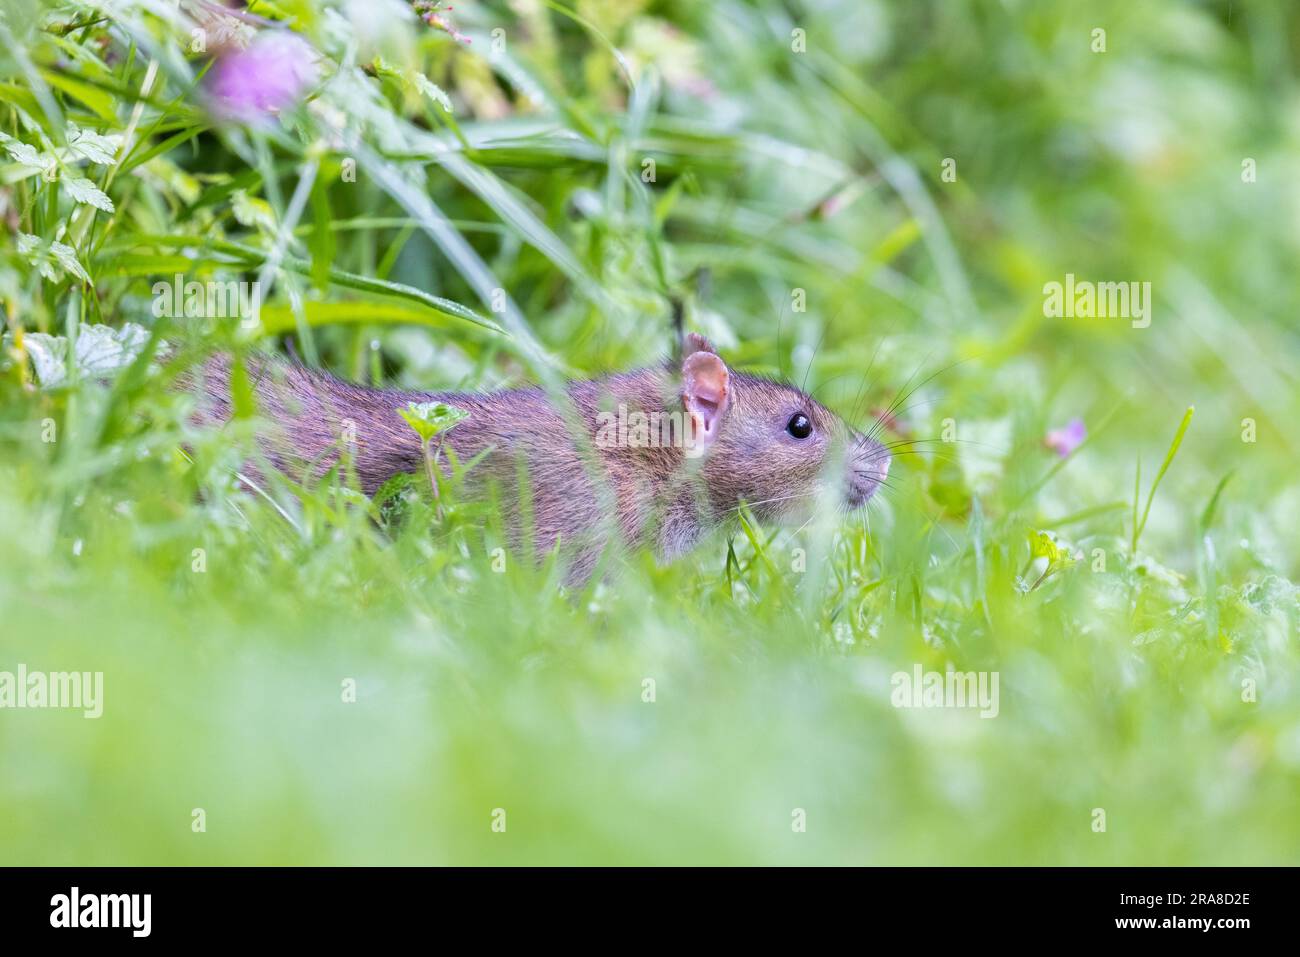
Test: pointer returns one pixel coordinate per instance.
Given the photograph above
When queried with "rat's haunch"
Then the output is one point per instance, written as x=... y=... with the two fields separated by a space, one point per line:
x=662 y=455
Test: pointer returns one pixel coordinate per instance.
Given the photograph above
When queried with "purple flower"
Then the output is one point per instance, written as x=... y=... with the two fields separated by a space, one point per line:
x=1064 y=441
x=270 y=75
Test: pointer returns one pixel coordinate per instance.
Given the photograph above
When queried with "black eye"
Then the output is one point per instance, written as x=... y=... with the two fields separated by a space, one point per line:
x=799 y=426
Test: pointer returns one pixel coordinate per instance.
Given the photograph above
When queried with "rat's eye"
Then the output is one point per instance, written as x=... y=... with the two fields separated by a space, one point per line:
x=799 y=426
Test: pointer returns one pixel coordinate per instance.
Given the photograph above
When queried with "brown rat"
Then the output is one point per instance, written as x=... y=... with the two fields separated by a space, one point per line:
x=663 y=456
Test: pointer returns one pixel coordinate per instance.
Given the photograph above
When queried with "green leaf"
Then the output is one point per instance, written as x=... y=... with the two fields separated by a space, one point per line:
x=429 y=419
x=98 y=100
x=277 y=319
x=26 y=155
x=253 y=212
x=243 y=401
x=253 y=255
x=430 y=89
x=1207 y=516
x=1041 y=545
x=85 y=191
x=66 y=257
x=162 y=146
x=19 y=96
x=415 y=80
x=52 y=260
x=393 y=489
x=21 y=152
x=321 y=243
x=89 y=145
x=143 y=264
x=100 y=350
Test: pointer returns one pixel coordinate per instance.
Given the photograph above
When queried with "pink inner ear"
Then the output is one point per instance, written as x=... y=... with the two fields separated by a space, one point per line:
x=705 y=389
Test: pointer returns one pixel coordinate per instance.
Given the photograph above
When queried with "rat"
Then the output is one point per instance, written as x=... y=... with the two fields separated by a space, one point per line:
x=659 y=456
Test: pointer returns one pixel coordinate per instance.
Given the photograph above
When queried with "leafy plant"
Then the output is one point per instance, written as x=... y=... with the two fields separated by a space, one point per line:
x=429 y=420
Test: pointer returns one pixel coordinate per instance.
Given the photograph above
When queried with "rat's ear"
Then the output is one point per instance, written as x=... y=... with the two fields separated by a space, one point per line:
x=706 y=391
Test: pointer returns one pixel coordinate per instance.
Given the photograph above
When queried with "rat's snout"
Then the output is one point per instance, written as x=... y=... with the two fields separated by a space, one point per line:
x=868 y=466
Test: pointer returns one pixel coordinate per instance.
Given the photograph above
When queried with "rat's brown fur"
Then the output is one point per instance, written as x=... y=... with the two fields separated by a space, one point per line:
x=580 y=492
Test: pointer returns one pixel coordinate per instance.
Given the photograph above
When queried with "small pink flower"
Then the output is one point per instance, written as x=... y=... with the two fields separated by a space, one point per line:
x=434 y=13
x=269 y=76
x=1064 y=441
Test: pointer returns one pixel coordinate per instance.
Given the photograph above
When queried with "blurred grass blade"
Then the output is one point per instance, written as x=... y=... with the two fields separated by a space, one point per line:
x=251 y=256
x=1164 y=467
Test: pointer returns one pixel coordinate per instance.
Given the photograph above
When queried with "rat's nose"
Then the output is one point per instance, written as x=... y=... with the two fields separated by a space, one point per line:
x=868 y=468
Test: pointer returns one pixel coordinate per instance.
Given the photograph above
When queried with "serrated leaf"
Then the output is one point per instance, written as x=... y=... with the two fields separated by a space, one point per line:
x=430 y=89
x=25 y=154
x=66 y=257
x=85 y=191
x=101 y=350
x=48 y=260
x=415 y=79
x=90 y=145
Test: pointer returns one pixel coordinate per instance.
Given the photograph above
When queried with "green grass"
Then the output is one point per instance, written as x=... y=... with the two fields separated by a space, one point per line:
x=1125 y=604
